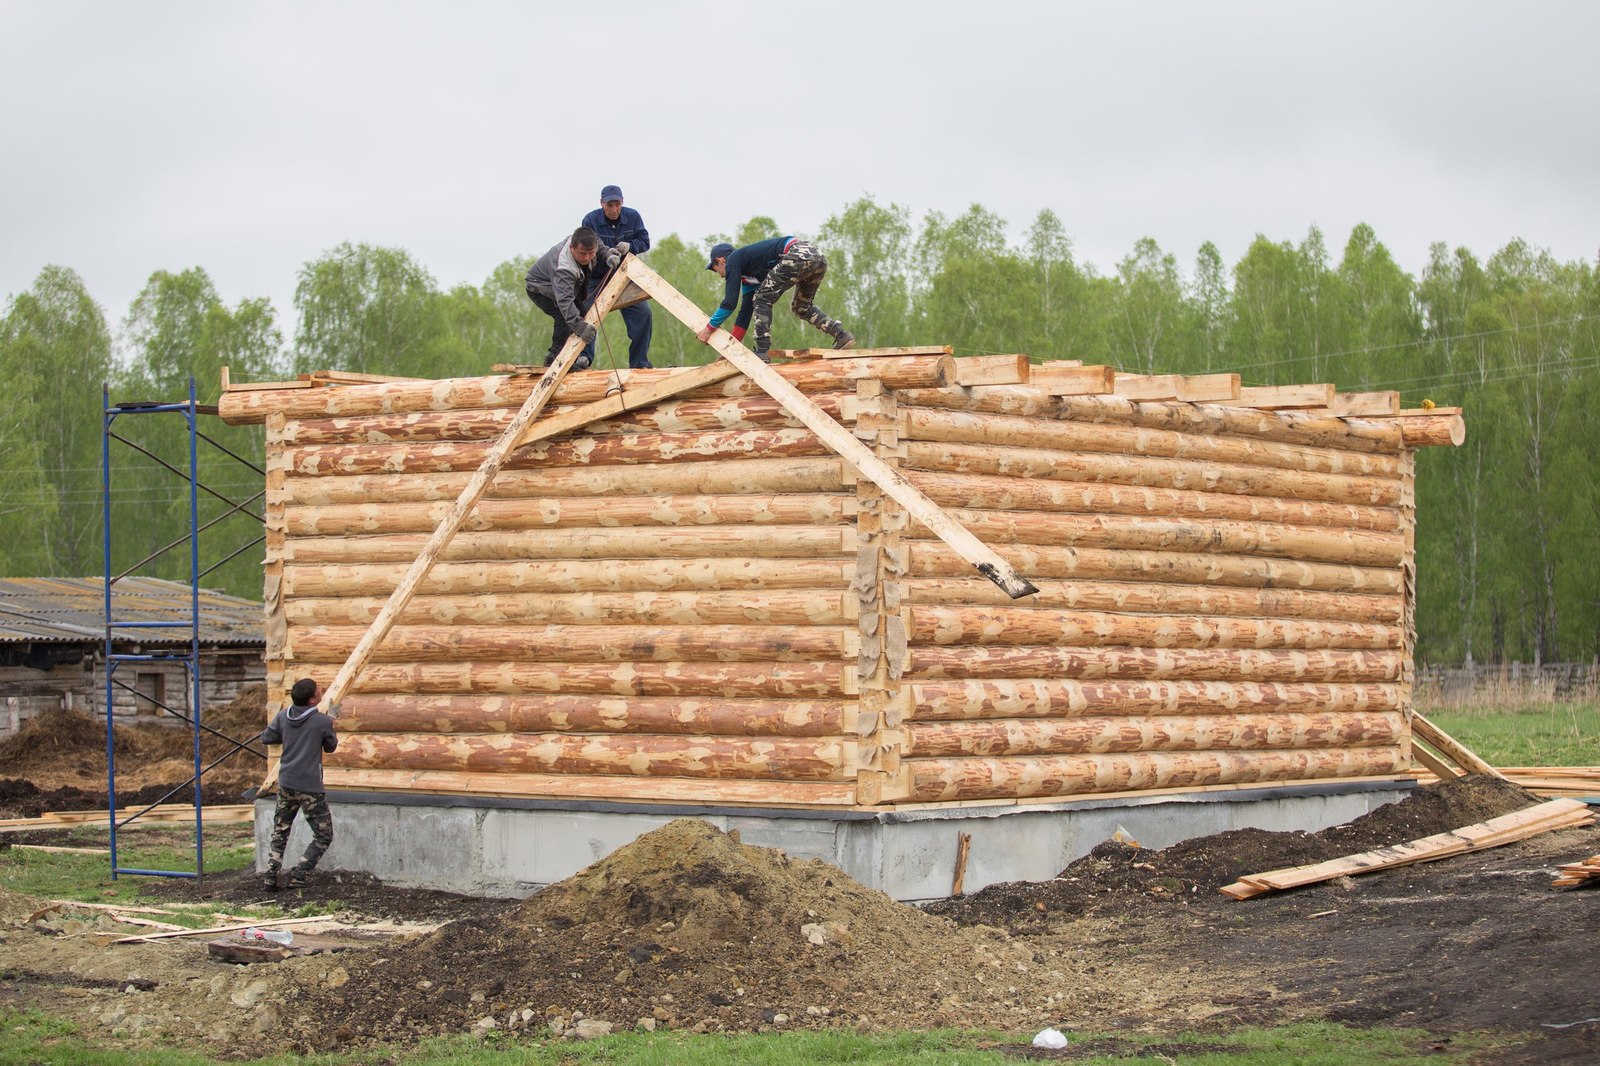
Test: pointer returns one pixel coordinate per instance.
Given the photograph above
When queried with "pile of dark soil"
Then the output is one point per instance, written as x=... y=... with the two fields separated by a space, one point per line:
x=686 y=927
x=1114 y=875
x=24 y=799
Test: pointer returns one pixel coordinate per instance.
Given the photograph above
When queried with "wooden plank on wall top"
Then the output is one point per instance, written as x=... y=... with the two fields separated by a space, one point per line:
x=1201 y=388
x=992 y=370
x=1280 y=397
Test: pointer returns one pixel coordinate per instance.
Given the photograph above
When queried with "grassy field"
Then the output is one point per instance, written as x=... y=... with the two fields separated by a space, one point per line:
x=1549 y=734
x=30 y=1037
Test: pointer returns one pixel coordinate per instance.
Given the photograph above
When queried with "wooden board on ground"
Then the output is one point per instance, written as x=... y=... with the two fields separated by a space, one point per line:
x=242 y=949
x=165 y=814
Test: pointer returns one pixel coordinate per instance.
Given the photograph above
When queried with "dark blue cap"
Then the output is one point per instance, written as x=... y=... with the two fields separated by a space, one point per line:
x=717 y=252
x=609 y=193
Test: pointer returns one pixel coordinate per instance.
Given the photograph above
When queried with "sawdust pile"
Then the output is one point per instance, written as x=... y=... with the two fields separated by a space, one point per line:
x=688 y=928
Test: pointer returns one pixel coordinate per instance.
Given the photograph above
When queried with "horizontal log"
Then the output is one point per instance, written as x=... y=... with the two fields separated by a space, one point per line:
x=1441 y=429
x=729 y=542
x=773 y=680
x=574 y=576
x=577 y=644
x=1288 y=427
x=1154 y=664
x=1234 y=478
x=1156 y=598
x=798 y=607
x=638 y=448
x=963 y=427
x=956 y=700
x=715 y=477
x=942 y=625
x=413 y=713
x=1097 y=735
x=602 y=787
x=928 y=559
x=776 y=758
x=382 y=516
x=673 y=416
x=449 y=394
x=1032 y=494
x=1221 y=536
x=934 y=780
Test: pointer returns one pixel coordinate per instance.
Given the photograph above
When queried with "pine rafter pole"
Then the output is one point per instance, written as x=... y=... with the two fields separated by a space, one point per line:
x=474 y=490
x=836 y=437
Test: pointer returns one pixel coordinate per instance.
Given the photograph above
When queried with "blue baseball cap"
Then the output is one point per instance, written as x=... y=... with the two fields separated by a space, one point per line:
x=718 y=251
x=609 y=193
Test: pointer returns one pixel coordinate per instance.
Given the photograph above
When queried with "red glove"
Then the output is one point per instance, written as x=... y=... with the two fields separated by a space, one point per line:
x=738 y=333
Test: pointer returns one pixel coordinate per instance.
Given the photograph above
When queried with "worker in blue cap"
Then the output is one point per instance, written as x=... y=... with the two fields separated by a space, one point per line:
x=622 y=229
x=757 y=275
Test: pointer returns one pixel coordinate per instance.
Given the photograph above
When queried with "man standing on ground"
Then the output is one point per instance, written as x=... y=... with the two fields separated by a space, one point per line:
x=558 y=285
x=622 y=229
x=760 y=273
x=305 y=734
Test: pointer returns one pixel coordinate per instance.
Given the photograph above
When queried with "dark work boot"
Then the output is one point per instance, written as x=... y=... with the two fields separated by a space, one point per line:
x=763 y=355
x=843 y=339
x=269 y=880
x=298 y=878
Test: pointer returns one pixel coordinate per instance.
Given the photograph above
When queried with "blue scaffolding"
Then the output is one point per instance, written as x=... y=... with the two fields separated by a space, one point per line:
x=117 y=629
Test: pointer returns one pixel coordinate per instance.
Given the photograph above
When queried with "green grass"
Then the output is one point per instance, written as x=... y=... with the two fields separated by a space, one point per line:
x=1548 y=734
x=31 y=1037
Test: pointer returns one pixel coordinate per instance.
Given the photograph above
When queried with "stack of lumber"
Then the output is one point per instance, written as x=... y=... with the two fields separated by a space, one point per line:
x=1519 y=825
x=676 y=588
x=1551 y=781
x=1578 y=873
x=165 y=814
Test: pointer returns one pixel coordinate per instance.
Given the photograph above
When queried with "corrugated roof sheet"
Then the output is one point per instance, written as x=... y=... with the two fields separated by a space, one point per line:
x=72 y=610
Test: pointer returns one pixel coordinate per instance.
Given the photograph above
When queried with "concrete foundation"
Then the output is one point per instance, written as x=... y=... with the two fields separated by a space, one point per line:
x=507 y=847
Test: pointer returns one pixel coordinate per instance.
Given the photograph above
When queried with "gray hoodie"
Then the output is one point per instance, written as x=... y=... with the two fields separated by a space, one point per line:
x=559 y=277
x=305 y=734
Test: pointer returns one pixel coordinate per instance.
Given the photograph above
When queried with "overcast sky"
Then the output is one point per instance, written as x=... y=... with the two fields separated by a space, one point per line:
x=250 y=138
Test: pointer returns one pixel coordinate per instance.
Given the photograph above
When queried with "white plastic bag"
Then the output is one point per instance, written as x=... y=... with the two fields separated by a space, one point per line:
x=1050 y=1038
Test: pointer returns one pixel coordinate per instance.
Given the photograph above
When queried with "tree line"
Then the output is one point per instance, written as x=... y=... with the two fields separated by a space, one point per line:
x=1508 y=528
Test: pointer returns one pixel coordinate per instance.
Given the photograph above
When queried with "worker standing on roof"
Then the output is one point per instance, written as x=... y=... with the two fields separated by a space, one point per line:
x=621 y=228
x=558 y=285
x=758 y=274
x=305 y=734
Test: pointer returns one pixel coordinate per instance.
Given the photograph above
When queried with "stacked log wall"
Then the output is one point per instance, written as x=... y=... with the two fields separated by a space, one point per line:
x=664 y=606
x=1224 y=596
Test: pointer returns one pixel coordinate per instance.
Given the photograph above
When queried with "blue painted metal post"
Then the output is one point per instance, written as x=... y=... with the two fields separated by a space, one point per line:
x=191 y=415
x=109 y=416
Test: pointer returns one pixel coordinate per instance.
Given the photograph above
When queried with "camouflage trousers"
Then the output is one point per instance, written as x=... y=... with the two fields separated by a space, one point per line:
x=315 y=807
x=801 y=268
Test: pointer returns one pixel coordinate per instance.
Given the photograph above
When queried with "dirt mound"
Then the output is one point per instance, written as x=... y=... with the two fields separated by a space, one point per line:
x=1113 y=874
x=689 y=928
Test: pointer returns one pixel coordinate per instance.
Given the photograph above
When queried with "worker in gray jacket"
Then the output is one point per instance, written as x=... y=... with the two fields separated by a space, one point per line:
x=558 y=285
x=305 y=733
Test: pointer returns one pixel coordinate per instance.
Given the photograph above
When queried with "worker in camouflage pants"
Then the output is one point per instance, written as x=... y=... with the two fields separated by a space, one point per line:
x=305 y=733
x=756 y=275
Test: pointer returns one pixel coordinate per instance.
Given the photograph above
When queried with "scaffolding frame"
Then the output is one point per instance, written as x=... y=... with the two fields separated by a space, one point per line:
x=116 y=629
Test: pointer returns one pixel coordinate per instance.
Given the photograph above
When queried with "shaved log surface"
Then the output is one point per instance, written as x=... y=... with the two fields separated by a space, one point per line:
x=1027 y=625
x=1160 y=599
x=1235 y=478
x=578 y=786
x=418 y=457
x=959 y=427
x=1144 y=533
x=581 y=543
x=716 y=477
x=956 y=700
x=1189 y=664
x=996 y=399
x=1031 y=494
x=605 y=511
x=594 y=714
x=780 y=758
x=934 y=560
x=584 y=386
x=1089 y=735
x=577 y=644
x=1064 y=775
x=799 y=607
x=772 y=680
x=1288 y=427
x=574 y=576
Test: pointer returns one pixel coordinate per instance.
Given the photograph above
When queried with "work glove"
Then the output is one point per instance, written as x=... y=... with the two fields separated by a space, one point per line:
x=613 y=257
x=622 y=247
x=586 y=332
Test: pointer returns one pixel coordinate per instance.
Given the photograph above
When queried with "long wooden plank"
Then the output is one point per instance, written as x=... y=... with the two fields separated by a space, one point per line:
x=165 y=813
x=628 y=400
x=252 y=924
x=1451 y=748
x=842 y=441
x=1277 y=397
x=474 y=490
x=799 y=354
